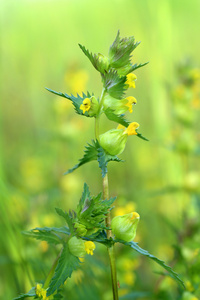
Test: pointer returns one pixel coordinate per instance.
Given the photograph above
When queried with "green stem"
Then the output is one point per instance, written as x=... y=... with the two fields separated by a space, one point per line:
x=51 y=272
x=98 y=114
x=111 y=249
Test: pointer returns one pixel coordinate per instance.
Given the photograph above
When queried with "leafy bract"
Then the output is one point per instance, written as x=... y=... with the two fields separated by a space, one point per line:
x=31 y=293
x=40 y=234
x=120 y=51
x=89 y=155
x=67 y=263
x=95 y=152
x=76 y=101
x=110 y=114
x=141 y=136
x=96 y=59
x=135 y=246
x=91 y=211
x=68 y=218
x=104 y=158
x=114 y=84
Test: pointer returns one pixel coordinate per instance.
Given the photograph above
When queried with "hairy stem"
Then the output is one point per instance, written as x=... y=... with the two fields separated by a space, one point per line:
x=111 y=249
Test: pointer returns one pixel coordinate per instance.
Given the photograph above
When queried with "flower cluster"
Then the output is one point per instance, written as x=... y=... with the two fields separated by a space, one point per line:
x=41 y=292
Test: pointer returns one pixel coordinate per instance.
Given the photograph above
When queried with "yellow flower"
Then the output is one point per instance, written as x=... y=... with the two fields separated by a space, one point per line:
x=85 y=106
x=130 y=80
x=89 y=247
x=40 y=292
x=131 y=100
x=131 y=129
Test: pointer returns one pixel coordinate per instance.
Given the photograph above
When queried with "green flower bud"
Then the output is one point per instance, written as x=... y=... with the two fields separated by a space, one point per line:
x=124 y=227
x=103 y=63
x=113 y=141
x=90 y=105
x=76 y=247
x=80 y=229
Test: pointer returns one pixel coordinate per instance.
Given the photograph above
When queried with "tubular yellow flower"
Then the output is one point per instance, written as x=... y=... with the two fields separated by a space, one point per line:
x=85 y=106
x=89 y=247
x=130 y=80
x=131 y=100
x=131 y=129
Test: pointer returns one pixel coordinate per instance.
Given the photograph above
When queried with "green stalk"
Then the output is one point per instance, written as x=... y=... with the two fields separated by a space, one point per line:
x=108 y=218
x=51 y=272
x=111 y=249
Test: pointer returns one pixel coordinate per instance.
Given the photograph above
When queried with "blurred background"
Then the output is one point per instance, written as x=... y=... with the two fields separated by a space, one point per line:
x=41 y=137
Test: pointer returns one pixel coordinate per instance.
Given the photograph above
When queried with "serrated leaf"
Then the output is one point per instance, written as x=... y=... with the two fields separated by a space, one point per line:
x=94 y=59
x=67 y=263
x=64 y=229
x=141 y=136
x=137 y=66
x=135 y=246
x=120 y=51
x=104 y=158
x=48 y=236
x=76 y=101
x=114 y=84
x=67 y=218
x=89 y=155
x=85 y=195
x=31 y=293
x=116 y=118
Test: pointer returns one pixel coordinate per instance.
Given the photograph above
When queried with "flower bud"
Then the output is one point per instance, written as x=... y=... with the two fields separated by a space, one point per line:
x=113 y=141
x=124 y=227
x=76 y=246
x=103 y=62
x=80 y=229
x=90 y=105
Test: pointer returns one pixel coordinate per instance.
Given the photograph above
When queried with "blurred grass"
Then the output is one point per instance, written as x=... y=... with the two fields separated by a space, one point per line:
x=41 y=137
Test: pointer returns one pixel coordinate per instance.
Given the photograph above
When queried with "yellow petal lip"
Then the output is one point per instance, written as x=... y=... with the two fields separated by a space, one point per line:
x=130 y=80
x=131 y=129
x=89 y=247
x=131 y=100
x=135 y=216
x=85 y=106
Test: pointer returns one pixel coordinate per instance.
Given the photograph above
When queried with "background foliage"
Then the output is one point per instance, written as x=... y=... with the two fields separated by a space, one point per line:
x=41 y=138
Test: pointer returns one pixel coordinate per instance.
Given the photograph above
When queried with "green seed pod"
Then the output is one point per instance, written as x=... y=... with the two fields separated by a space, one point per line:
x=76 y=246
x=113 y=141
x=124 y=227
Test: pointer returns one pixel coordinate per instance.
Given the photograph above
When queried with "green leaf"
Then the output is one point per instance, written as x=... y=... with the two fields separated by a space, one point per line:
x=92 y=211
x=120 y=51
x=85 y=195
x=67 y=218
x=31 y=293
x=104 y=158
x=135 y=246
x=89 y=155
x=95 y=60
x=66 y=265
x=48 y=236
x=116 y=118
x=114 y=84
x=64 y=229
x=136 y=66
x=141 y=136
x=76 y=101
